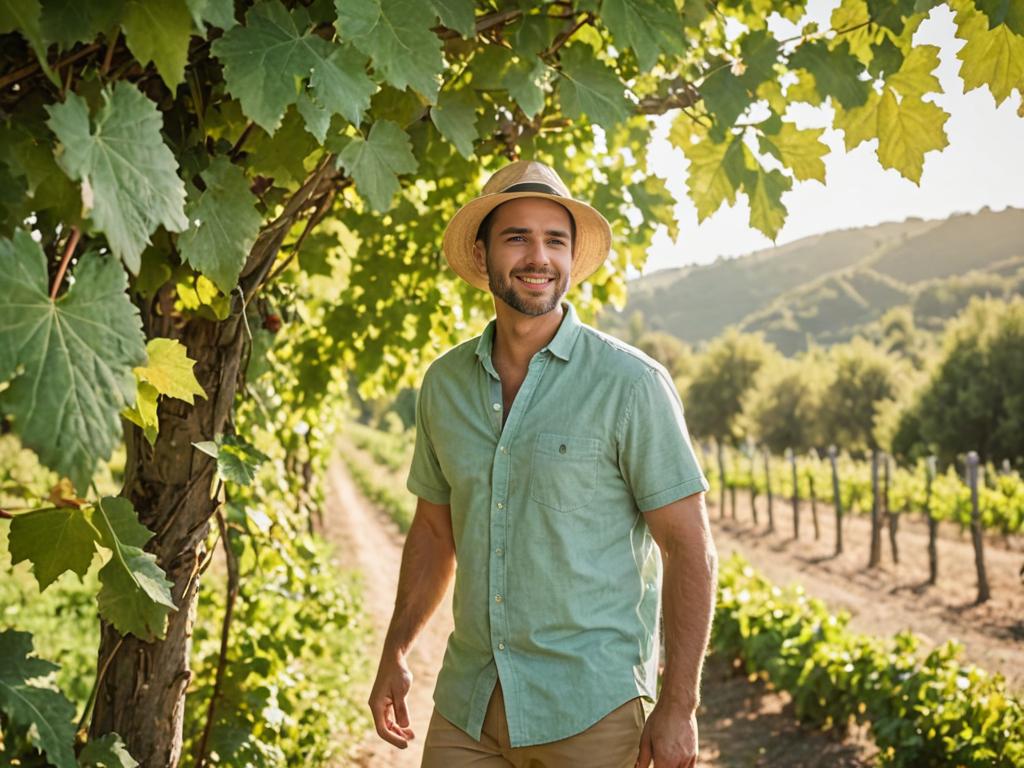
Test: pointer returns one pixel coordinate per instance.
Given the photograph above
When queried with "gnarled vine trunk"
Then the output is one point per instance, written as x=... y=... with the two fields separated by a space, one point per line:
x=142 y=692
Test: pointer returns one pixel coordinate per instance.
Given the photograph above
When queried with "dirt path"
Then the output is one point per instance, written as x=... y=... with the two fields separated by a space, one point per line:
x=369 y=542
x=892 y=596
x=740 y=724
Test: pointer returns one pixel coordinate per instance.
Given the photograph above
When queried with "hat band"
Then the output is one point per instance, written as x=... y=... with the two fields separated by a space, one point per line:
x=533 y=186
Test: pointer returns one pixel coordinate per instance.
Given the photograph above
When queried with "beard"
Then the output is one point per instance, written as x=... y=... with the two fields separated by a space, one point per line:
x=528 y=305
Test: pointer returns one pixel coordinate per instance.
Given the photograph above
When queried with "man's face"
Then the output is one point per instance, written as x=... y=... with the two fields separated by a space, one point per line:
x=529 y=255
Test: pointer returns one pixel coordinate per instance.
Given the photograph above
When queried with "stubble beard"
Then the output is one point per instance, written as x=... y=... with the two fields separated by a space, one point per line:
x=504 y=289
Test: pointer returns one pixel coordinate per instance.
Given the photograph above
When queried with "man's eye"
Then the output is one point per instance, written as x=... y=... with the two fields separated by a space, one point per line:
x=557 y=242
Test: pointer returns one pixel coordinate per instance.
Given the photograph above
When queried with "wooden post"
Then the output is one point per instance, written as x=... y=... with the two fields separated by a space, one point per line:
x=732 y=488
x=837 y=499
x=876 y=531
x=979 y=553
x=791 y=455
x=933 y=523
x=891 y=519
x=752 y=452
x=768 y=488
x=721 y=478
x=814 y=499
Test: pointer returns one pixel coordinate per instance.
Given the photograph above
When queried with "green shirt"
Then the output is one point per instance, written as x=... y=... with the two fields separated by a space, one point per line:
x=558 y=583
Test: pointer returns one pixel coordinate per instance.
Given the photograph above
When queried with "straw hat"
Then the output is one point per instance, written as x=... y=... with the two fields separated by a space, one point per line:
x=526 y=178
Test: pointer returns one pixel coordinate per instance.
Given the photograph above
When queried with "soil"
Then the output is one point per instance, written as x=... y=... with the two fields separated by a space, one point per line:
x=741 y=723
x=892 y=596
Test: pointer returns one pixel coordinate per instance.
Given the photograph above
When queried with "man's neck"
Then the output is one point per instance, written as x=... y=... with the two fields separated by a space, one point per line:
x=518 y=337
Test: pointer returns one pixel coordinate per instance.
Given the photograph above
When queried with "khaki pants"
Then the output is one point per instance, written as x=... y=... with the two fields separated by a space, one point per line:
x=611 y=742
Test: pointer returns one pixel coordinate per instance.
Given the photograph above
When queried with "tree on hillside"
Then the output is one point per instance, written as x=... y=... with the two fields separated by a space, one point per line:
x=179 y=175
x=975 y=398
x=725 y=373
x=861 y=378
x=780 y=411
x=675 y=355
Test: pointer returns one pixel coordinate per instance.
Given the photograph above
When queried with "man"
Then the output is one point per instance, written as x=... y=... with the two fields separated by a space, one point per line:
x=554 y=461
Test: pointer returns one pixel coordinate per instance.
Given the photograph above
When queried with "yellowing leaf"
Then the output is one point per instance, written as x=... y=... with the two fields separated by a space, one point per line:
x=716 y=171
x=169 y=370
x=764 y=189
x=143 y=414
x=914 y=77
x=859 y=124
x=799 y=150
x=908 y=129
x=992 y=57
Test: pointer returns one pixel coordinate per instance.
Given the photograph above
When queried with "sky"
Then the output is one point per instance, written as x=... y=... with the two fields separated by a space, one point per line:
x=982 y=166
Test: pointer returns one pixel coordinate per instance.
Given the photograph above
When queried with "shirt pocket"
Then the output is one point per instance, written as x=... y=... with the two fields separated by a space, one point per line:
x=564 y=471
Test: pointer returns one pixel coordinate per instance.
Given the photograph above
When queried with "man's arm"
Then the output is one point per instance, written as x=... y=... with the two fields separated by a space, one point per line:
x=428 y=561
x=682 y=532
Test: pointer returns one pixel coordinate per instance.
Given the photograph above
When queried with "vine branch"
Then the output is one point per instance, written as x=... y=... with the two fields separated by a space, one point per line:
x=69 y=249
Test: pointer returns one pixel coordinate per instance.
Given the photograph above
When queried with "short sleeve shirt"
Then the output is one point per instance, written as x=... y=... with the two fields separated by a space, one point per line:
x=558 y=583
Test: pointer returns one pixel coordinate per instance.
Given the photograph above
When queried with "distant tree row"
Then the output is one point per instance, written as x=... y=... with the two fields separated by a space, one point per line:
x=899 y=389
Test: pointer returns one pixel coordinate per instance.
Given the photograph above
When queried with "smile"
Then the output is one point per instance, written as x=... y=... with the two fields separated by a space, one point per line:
x=535 y=280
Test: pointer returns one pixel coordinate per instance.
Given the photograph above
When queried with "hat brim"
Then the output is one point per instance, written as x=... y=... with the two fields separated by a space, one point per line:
x=592 y=244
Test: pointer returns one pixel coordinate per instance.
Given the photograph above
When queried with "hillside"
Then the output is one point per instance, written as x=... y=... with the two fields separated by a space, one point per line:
x=828 y=287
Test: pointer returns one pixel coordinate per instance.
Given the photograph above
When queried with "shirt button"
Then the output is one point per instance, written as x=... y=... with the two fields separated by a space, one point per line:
x=504 y=449
x=501 y=646
x=497 y=598
x=500 y=505
x=496 y=406
x=499 y=551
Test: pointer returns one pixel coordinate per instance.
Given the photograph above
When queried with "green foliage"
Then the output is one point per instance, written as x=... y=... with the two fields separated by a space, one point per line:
x=69 y=362
x=41 y=714
x=725 y=372
x=861 y=378
x=931 y=711
x=781 y=408
x=974 y=397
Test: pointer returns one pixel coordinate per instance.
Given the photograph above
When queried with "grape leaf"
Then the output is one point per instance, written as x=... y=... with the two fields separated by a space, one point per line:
x=24 y=16
x=799 y=150
x=907 y=129
x=764 y=190
x=1008 y=12
x=107 y=751
x=341 y=84
x=859 y=124
x=836 y=72
x=54 y=541
x=158 y=31
x=223 y=224
x=376 y=162
x=68 y=361
x=992 y=57
x=67 y=22
x=219 y=13
x=649 y=27
x=590 y=87
x=716 y=172
x=457 y=15
x=914 y=77
x=396 y=35
x=45 y=715
x=169 y=370
x=526 y=82
x=455 y=117
x=143 y=413
x=263 y=60
x=725 y=97
x=760 y=51
x=135 y=595
x=237 y=460
x=132 y=173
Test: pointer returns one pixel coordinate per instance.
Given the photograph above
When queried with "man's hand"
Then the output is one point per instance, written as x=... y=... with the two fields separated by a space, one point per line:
x=387 y=700
x=669 y=738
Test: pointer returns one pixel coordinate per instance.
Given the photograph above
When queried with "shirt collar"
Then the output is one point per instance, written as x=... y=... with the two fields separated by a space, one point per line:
x=560 y=346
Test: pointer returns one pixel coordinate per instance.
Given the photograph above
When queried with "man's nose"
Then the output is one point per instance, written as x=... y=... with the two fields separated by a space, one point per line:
x=537 y=254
